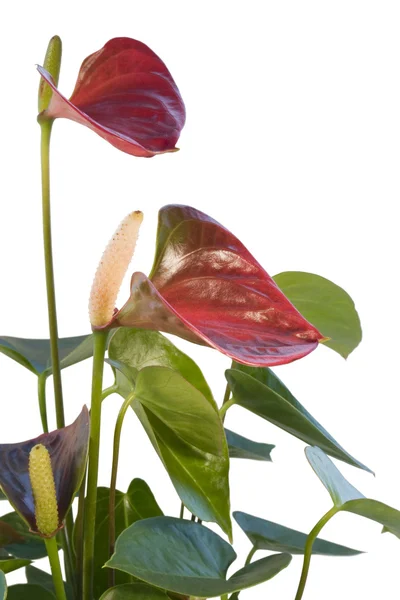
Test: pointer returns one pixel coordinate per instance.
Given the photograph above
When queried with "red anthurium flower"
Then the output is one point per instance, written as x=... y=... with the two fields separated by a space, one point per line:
x=206 y=287
x=40 y=477
x=125 y=94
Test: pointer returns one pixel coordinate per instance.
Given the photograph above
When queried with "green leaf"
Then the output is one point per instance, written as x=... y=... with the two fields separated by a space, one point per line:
x=8 y=534
x=187 y=558
x=326 y=305
x=137 y=503
x=35 y=354
x=187 y=433
x=265 y=535
x=30 y=546
x=241 y=447
x=36 y=576
x=26 y=591
x=12 y=564
x=2 y=495
x=260 y=391
x=134 y=591
x=3 y=586
x=138 y=348
x=348 y=498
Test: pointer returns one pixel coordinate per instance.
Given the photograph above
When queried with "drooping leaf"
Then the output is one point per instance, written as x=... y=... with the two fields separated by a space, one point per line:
x=27 y=591
x=3 y=586
x=348 y=498
x=138 y=348
x=35 y=355
x=207 y=288
x=137 y=503
x=12 y=564
x=153 y=551
x=36 y=576
x=29 y=546
x=325 y=305
x=125 y=94
x=187 y=433
x=134 y=591
x=263 y=393
x=68 y=448
x=241 y=447
x=265 y=535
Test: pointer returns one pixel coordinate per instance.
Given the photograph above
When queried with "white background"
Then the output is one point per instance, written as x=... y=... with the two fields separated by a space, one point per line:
x=292 y=142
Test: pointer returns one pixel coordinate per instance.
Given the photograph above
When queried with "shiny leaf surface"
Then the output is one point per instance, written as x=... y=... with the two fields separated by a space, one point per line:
x=68 y=449
x=134 y=591
x=125 y=94
x=207 y=288
x=187 y=433
x=152 y=550
x=35 y=354
x=262 y=392
x=7 y=565
x=29 y=545
x=241 y=447
x=325 y=305
x=266 y=535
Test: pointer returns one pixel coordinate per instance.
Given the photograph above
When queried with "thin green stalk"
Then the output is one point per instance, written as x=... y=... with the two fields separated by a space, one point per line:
x=312 y=536
x=68 y=554
x=182 y=511
x=100 y=343
x=52 y=552
x=224 y=597
x=48 y=260
x=108 y=391
x=113 y=483
x=250 y=556
x=79 y=527
x=224 y=408
x=42 y=378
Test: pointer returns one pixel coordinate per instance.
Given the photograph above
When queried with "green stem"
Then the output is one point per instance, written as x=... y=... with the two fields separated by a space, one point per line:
x=108 y=391
x=67 y=549
x=79 y=525
x=308 y=550
x=100 y=343
x=182 y=511
x=250 y=556
x=48 y=260
x=224 y=597
x=224 y=408
x=52 y=552
x=113 y=483
x=42 y=378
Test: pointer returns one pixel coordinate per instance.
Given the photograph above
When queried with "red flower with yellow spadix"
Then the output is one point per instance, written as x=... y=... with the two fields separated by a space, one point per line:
x=40 y=477
x=205 y=287
x=125 y=93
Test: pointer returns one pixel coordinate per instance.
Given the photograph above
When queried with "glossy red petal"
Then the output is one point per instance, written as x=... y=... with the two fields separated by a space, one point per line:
x=206 y=287
x=125 y=94
x=68 y=448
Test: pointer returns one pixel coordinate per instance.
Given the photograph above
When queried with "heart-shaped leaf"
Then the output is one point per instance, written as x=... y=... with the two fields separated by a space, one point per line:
x=207 y=288
x=153 y=550
x=265 y=535
x=12 y=564
x=187 y=433
x=36 y=577
x=27 y=591
x=35 y=355
x=325 y=305
x=348 y=498
x=262 y=392
x=3 y=586
x=138 y=348
x=241 y=447
x=134 y=591
x=28 y=545
x=125 y=94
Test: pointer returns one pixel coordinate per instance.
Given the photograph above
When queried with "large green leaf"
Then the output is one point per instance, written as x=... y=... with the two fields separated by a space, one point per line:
x=12 y=564
x=187 y=558
x=138 y=348
x=325 y=305
x=348 y=498
x=241 y=447
x=3 y=586
x=35 y=355
x=187 y=433
x=137 y=503
x=29 y=546
x=265 y=535
x=134 y=591
x=36 y=576
x=27 y=591
x=8 y=535
x=260 y=391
